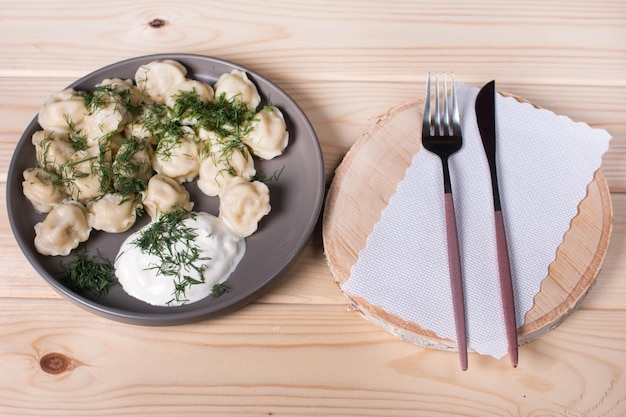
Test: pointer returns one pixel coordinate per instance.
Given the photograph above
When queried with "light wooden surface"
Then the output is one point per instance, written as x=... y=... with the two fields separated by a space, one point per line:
x=298 y=350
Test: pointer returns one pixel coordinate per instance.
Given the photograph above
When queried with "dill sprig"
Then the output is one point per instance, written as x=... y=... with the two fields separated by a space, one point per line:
x=49 y=177
x=100 y=97
x=264 y=178
x=231 y=120
x=152 y=117
x=88 y=274
x=223 y=116
x=172 y=242
x=219 y=290
x=77 y=170
x=42 y=155
x=104 y=168
x=78 y=139
x=132 y=167
x=126 y=186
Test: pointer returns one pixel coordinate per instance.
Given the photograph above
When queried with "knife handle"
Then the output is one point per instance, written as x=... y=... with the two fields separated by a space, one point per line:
x=506 y=287
x=456 y=279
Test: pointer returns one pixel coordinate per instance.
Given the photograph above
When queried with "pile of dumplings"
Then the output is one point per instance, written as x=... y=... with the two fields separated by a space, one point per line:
x=128 y=146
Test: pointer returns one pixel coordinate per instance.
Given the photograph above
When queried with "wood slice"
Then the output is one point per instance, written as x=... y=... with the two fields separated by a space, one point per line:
x=366 y=179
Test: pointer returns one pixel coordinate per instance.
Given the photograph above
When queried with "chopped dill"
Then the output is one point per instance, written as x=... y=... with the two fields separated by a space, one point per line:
x=100 y=97
x=88 y=274
x=103 y=169
x=166 y=231
x=42 y=155
x=50 y=177
x=223 y=116
x=219 y=290
x=89 y=166
x=274 y=177
x=171 y=241
x=170 y=140
x=130 y=185
x=132 y=167
x=230 y=119
x=78 y=140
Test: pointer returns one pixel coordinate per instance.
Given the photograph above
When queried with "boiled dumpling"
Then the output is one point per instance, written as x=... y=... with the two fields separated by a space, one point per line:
x=268 y=136
x=203 y=90
x=163 y=195
x=237 y=86
x=138 y=129
x=222 y=166
x=53 y=149
x=128 y=93
x=84 y=175
x=111 y=106
x=103 y=122
x=113 y=213
x=40 y=189
x=156 y=79
x=177 y=158
x=63 y=111
x=243 y=204
x=63 y=229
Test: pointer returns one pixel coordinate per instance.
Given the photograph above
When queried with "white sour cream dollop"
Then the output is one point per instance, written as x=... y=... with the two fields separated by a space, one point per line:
x=220 y=248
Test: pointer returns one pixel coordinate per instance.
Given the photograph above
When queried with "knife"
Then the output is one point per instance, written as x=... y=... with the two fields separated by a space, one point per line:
x=486 y=117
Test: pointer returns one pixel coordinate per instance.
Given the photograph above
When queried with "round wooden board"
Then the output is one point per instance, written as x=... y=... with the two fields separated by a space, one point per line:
x=366 y=179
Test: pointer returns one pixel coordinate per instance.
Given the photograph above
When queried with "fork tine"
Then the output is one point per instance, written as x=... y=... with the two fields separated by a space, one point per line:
x=442 y=116
x=456 y=120
x=437 y=117
x=445 y=116
x=426 y=124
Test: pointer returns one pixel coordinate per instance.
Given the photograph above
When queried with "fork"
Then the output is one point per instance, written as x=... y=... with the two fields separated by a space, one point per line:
x=441 y=135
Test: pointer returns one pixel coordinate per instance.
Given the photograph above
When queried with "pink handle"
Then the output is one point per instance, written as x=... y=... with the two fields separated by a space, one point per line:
x=456 y=280
x=506 y=288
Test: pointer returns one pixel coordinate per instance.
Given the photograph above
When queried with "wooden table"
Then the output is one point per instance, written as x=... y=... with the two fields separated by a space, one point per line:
x=298 y=350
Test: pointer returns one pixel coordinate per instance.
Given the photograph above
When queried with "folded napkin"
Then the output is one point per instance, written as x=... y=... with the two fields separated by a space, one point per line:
x=545 y=162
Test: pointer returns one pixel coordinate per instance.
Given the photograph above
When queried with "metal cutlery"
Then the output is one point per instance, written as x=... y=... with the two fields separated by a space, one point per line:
x=441 y=134
x=485 y=116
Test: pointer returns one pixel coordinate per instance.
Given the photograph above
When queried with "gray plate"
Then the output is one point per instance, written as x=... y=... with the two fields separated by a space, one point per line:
x=296 y=199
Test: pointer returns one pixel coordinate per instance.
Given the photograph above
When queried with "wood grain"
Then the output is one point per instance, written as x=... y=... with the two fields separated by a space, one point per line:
x=298 y=351
x=331 y=41
x=245 y=364
x=385 y=151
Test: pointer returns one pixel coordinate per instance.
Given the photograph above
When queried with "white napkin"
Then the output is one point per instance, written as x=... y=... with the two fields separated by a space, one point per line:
x=545 y=162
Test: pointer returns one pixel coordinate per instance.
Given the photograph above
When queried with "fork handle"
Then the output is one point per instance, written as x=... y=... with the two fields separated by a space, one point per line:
x=456 y=279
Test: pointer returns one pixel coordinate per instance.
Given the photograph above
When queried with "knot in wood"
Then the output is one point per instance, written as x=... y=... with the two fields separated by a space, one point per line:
x=55 y=363
x=157 y=23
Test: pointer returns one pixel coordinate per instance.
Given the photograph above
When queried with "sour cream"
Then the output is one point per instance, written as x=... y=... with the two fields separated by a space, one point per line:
x=219 y=252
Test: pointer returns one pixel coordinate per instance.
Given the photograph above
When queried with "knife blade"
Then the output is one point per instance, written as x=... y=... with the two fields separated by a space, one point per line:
x=486 y=118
